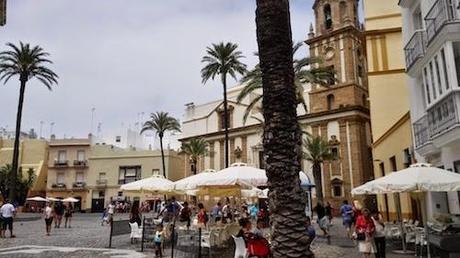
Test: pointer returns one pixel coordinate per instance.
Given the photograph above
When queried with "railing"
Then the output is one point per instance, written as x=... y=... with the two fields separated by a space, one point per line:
x=79 y=185
x=421 y=132
x=441 y=12
x=101 y=182
x=61 y=163
x=58 y=186
x=80 y=163
x=444 y=114
x=415 y=48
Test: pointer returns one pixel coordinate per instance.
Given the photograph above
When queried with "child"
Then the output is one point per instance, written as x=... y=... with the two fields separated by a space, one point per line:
x=105 y=218
x=158 y=240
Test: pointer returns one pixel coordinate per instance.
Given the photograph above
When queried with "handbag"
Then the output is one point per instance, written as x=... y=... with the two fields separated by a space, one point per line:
x=258 y=247
x=361 y=237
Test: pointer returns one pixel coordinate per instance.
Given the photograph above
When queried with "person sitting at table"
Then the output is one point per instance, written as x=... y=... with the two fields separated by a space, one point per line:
x=257 y=245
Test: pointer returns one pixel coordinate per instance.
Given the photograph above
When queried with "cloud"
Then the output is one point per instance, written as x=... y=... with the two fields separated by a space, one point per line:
x=125 y=57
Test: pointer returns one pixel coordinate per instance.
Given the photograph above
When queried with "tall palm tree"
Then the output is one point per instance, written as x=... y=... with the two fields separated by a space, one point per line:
x=160 y=122
x=223 y=59
x=195 y=148
x=317 y=151
x=26 y=62
x=304 y=72
x=282 y=133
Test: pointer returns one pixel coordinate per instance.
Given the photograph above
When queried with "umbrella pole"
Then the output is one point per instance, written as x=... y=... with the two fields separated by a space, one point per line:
x=425 y=220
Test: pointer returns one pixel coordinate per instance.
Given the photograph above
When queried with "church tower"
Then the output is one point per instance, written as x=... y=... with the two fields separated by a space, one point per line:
x=340 y=111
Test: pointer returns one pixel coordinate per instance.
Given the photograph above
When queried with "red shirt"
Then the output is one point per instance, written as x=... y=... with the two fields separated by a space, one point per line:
x=365 y=225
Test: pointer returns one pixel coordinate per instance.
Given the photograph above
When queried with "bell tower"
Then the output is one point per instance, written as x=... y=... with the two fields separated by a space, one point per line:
x=338 y=41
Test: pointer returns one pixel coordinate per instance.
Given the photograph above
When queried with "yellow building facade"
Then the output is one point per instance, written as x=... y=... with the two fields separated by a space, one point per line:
x=33 y=154
x=110 y=167
x=389 y=100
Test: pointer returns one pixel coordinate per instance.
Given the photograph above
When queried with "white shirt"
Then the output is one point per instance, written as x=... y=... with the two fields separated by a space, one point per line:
x=110 y=208
x=7 y=210
x=48 y=211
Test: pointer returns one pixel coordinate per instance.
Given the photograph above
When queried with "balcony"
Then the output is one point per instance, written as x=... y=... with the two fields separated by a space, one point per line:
x=421 y=134
x=80 y=163
x=79 y=185
x=101 y=182
x=58 y=186
x=415 y=48
x=444 y=115
x=61 y=163
x=441 y=13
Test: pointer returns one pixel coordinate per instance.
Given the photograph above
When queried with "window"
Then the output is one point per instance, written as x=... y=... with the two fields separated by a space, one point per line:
x=62 y=156
x=155 y=172
x=432 y=81
x=360 y=71
x=118 y=139
x=222 y=119
x=382 y=168
x=444 y=67
x=327 y=16
x=79 y=177
x=335 y=152
x=81 y=155
x=427 y=87
x=60 y=178
x=129 y=174
x=457 y=166
x=331 y=80
x=417 y=19
x=407 y=158
x=336 y=187
x=364 y=100
x=102 y=176
x=261 y=160
x=456 y=46
x=438 y=76
x=330 y=101
x=393 y=164
x=101 y=194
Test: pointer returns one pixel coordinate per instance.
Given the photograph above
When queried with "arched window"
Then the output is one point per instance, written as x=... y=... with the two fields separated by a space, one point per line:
x=364 y=100
x=330 y=101
x=343 y=11
x=328 y=16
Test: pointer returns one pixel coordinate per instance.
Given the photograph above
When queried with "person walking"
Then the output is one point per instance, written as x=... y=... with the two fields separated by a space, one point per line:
x=202 y=216
x=158 y=239
x=328 y=210
x=110 y=211
x=58 y=213
x=7 y=211
x=346 y=210
x=48 y=215
x=365 y=230
x=134 y=215
x=379 y=236
x=68 y=215
x=323 y=220
x=185 y=214
x=216 y=212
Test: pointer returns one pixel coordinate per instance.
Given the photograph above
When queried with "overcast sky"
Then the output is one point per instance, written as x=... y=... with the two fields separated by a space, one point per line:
x=124 y=57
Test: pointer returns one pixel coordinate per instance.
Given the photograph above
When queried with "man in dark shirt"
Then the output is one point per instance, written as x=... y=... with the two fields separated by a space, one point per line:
x=58 y=211
x=323 y=220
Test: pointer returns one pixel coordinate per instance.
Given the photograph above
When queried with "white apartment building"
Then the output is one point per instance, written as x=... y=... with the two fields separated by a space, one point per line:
x=431 y=35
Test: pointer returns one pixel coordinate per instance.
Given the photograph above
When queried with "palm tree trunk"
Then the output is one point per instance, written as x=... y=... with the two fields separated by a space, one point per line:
x=194 y=167
x=162 y=155
x=15 y=162
x=224 y=84
x=318 y=182
x=281 y=131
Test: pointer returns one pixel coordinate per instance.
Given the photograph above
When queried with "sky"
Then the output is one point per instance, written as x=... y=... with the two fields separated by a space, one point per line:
x=125 y=58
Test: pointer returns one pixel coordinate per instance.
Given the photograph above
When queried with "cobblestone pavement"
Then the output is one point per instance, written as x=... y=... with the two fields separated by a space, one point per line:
x=87 y=238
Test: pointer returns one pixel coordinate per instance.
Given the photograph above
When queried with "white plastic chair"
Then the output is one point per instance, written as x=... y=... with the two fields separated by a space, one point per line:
x=240 y=247
x=136 y=232
x=206 y=242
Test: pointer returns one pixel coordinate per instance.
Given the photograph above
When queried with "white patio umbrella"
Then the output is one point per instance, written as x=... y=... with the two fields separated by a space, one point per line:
x=37 y=199
x=155 y=183
x=53 y=199
x=189 y=184
x=252 y=193
x=237 y=174
x=419 y=177
x=70 y=199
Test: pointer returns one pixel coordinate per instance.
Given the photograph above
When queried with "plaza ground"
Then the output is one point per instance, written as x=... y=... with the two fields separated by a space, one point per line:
x=87 y=238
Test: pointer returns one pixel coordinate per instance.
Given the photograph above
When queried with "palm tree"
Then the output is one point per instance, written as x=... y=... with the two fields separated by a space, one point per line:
x=195 y=148
x=282 y=142
x=317 y=151
x=26 y=62
x=223 y=59
x=304 y=72
x=160 y=122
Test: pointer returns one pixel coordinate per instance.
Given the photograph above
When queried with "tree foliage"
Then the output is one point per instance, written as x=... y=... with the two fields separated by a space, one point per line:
x=23 y=183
